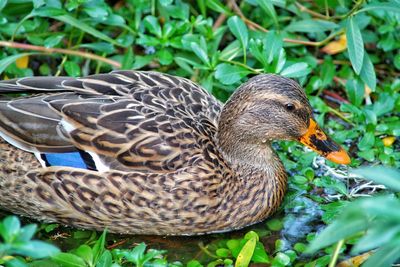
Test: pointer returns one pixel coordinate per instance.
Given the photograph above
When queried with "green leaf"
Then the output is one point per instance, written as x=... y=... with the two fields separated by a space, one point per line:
x=105 y=259
x=100 y=47
x=245 y=254
x=27 y=232
x=296 y=70
x=69 y=260
x=5 y=62
x=3 y=3
x=239 y=30
x=355 y=45
x=152 y=25
x=200 y=53
x=36 y=249
x=10 y=228
x=85 y=252
x=367 y=73
x=165 y=56
x=311 y=26
x=391 y=6
x=72 y=69
x=381 y=175
x=53 y=40
x=355 y=91
x=60 y=15
x=217 y=6
x=268 y=7
x=384 y=256
x=98 y=247
x=230 y=74
x=273 y=44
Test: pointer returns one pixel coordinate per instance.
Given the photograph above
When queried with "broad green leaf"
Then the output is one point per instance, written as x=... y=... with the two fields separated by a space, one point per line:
x=268 y=8
x=391 y=6
x=367 y=141
x=384 y=256
x=5 y=62
x=85 y=252
x=367 y=73
x=72 y=69
x=272 y=45
x=231 y=51
x=377 y=236
x=98 y=247
x=105 y=259
x=245 y=254
x=165 y=57
x=10 y=228
x=311 y=26
x=296 y=70
x=336 y=231
x=69 y=260
x=355 y=45
x=53 y=40
x=239 y=30
x=381 y=175
x=100 y=47
x=152 y=25
x=35 y=249
x=3 y=3
x=217 y=6
x=200 y=53
x=355 y=91
x=27 y=232
x=230 y=74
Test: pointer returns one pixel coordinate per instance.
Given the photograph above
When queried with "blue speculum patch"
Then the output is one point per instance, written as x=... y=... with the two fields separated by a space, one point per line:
x=71 y=159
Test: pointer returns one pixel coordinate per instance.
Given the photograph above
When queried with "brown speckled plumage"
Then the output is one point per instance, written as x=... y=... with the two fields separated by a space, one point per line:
x=177 y=161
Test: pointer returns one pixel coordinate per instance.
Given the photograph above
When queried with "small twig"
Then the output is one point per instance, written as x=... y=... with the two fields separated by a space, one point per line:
x=256 y=71
x=61 y=51
x=116 y=244
x=309 y=11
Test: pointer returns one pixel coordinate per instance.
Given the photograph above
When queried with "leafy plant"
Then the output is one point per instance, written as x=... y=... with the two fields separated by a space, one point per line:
x=376 y=217
x=17 y=241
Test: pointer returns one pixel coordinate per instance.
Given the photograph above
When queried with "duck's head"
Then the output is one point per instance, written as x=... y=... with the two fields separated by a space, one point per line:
x=271 y=107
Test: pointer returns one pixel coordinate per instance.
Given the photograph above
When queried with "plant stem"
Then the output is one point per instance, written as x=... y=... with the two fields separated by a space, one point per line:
x=113 y=63
x=335 y=253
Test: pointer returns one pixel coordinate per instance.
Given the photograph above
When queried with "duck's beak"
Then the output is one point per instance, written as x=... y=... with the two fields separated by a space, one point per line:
x=318 y=141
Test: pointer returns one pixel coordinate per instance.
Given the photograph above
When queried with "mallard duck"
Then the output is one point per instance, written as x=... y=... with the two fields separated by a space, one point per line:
x=148 y=153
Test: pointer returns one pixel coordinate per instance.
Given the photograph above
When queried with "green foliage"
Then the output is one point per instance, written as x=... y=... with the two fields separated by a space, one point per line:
x=353 y=89
x=17 y=241
x=375 y=216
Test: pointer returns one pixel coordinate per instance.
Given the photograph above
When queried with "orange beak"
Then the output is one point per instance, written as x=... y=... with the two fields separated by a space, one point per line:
x=318 y=141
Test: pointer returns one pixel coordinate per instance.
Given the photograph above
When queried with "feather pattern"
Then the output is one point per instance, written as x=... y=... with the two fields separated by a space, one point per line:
x=152 y=142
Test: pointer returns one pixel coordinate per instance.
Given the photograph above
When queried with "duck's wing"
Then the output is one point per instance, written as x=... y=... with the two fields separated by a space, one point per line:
x=125 y=120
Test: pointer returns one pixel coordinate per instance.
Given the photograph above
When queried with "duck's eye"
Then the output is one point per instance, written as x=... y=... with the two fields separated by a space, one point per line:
x=290 y=107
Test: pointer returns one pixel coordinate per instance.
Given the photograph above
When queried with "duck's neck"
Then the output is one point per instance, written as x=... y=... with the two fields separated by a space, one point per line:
x=258 y=184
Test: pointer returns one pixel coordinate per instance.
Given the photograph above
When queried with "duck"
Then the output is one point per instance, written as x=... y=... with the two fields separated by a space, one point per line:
x=142 y=152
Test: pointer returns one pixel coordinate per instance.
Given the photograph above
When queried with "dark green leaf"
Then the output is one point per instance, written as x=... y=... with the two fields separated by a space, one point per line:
x=217 y=6
x=100 y=47
x=105 y=259
x=98 y=247
x=355 y=45
x=201 y=53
